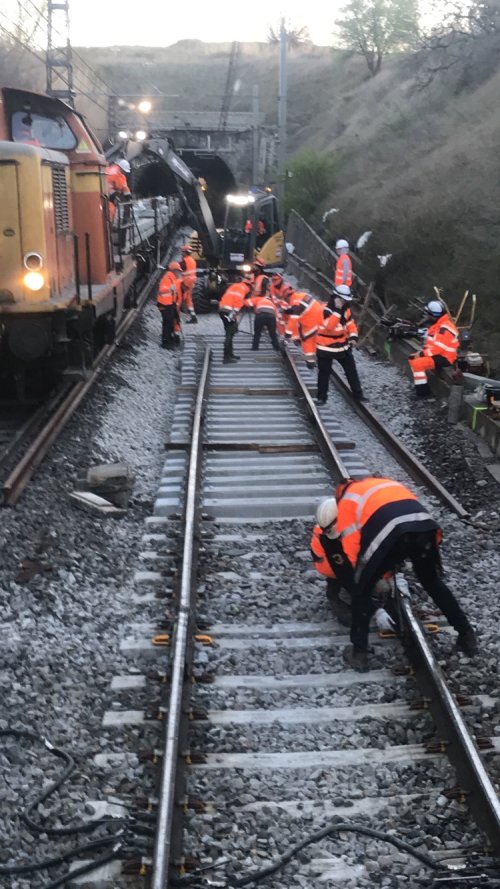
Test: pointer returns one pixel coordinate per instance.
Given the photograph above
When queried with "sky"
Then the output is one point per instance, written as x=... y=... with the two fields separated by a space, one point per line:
x=157 y=23
x=161 y=24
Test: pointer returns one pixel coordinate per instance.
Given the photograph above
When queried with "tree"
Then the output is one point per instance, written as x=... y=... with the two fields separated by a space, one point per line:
x=375 y=27
x=311 y=178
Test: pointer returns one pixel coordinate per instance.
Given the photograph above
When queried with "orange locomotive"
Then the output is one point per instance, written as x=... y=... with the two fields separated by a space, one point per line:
x=61 y=289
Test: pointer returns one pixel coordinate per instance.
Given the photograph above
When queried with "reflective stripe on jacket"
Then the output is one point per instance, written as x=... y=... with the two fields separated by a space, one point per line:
x=188 y=266
x=337 y=330
x=263 y=305
x=373 y=514
x=442 y=339
x=168 y=290
x=234 y=298
x=343 y=270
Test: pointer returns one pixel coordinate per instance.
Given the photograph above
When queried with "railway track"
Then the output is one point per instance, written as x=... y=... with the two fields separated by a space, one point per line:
x=31 y=431
x=283 y=743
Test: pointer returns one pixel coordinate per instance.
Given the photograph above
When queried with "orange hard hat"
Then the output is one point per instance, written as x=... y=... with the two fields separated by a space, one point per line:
x=174 y=267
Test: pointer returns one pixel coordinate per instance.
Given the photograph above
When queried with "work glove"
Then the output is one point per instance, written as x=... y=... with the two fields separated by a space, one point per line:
x=311 y=364
x=384 y=620
x=353 y=343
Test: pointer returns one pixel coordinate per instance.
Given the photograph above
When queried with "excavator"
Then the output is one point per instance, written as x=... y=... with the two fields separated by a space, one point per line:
x=251 y=226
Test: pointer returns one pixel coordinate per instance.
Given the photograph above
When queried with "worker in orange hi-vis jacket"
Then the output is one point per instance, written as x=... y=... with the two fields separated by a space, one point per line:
x=231 y=304
x=168 y=300
x=335 y=339
x=440 y=350
x=266 y=312
x=310 y=315
x=380 y=524
x=188 y=266
x=281 y=293
x=118 y=190
x=343 y=266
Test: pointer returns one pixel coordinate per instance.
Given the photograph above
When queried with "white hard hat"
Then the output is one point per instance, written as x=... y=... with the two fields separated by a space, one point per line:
x=326 y=513
x=342 y=244
x=124 y=165
x=435 y=308
x=343 y=291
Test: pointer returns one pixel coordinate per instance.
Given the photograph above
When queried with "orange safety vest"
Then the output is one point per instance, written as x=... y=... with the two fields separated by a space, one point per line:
x=373 y=514
x=169 y=290
x=188 y=266
x=442 y=339
x=337 y=330
x=117 y=181
x=259 y=283
x=264 y=305
x=234 y=297
x=343 y=270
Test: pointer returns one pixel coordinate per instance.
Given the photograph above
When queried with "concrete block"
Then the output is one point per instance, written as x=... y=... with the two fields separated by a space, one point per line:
x=92 y=503
x=494 y=468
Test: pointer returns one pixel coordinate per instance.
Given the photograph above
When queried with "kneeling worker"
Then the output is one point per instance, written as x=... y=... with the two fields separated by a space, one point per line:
x=380 y=524
x=440 y=350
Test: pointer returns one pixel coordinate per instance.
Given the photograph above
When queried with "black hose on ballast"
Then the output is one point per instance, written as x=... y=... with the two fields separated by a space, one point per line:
x=320 y=835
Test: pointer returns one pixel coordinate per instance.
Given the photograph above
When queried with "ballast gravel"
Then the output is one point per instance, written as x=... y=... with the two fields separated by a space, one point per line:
x=60 y=633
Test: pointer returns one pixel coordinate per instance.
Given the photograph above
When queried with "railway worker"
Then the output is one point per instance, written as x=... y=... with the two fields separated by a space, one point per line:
x=335 y=339
x=118 y=190
x=380 y=523
x=188 y=266
x=309 y=312
x=259 y=275
x=266 y=312
x=440 y=350
x=231 y=305
x=281 y=293
x=168 y=301
x=343 y=266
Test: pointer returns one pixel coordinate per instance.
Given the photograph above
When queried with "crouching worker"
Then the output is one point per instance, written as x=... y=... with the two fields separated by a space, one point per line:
x=381 y=524
x=330 y=560
x=440 y=350
x=231 y=305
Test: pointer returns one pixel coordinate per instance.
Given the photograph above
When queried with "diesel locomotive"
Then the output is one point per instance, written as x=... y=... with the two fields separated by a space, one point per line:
x=63 y=284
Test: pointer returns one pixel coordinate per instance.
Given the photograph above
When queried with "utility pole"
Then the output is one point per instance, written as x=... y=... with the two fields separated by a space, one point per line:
x=255 y=135
x=282 y=113
x=59 y=63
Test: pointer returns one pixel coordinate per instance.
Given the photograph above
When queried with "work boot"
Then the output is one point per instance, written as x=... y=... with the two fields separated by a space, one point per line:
x=468 y=642
x=320 y=400
x=356 y=658
x=235 y=357
x=192 y=319
x=229 y=360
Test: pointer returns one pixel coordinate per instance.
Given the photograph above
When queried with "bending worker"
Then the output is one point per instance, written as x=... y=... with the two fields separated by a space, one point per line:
x=266 y=313
x=380 y=524
x=335 y=337
x=231 y=305
x=440 y=350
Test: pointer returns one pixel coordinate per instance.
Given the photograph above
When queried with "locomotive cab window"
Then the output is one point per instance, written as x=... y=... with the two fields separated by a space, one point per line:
x=44 y=130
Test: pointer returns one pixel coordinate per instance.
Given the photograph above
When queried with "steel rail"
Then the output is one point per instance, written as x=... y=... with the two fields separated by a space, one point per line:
x=327 y=447
x=182 y=636
x=17 y=480
x=418 y=472
x=460 y=749
x=482 y=797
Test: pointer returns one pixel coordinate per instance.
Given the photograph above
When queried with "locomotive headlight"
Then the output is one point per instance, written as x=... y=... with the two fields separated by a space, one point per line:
x=33 y=262
x=34 y=280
